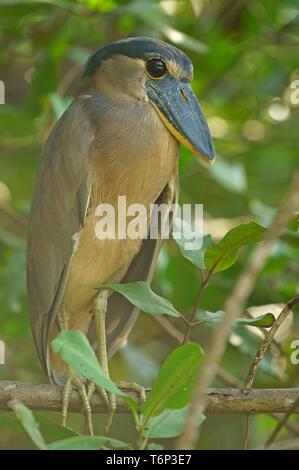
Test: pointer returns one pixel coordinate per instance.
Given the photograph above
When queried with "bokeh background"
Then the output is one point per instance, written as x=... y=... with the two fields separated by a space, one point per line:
x=245 y=56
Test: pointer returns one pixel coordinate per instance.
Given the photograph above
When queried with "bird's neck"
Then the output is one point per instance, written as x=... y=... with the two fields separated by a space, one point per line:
x=140 y=153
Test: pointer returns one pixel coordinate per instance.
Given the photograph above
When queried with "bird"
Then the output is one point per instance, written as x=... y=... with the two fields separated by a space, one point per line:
x=121 y=135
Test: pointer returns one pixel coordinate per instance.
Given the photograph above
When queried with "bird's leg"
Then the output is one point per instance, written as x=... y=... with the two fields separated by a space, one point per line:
x=100 y=316
x=76 y=381
x=108 y=398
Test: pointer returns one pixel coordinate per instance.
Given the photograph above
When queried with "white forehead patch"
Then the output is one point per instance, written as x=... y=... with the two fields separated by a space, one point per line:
x=175 y=69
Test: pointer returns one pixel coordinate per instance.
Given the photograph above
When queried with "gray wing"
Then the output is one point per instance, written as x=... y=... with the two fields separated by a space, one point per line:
x=121 y=314
x=58 y=210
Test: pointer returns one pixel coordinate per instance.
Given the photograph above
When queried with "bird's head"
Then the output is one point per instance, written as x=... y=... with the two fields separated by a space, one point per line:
x=152 y=70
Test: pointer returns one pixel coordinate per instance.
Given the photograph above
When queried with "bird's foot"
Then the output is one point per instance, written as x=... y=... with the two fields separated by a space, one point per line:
x=77 y=382
x=109 y=399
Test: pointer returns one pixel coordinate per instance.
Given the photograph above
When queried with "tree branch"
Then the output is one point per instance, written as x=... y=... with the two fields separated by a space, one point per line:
x=220 y=400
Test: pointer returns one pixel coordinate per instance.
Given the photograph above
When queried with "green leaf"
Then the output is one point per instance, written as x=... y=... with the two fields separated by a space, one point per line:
x=293 y=226
x=74 y=348
x=223 y=255
x=154 y=446
x=52 y=430
x=88 y=443
x=30 y=425
x=263 y=321
x=210 y=317
x=173 y=386
x=141 y=295
x=187 y=236
x=132 y=404
x=49 y=429
x=170 y=423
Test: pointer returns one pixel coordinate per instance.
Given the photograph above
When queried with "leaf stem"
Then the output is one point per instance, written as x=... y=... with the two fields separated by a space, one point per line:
x=191 y=323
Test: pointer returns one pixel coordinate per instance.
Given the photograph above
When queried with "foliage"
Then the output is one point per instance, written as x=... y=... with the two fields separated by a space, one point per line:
x=245 y=57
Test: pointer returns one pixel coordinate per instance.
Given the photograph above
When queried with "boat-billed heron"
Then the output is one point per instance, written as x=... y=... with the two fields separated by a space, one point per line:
x=119 y=136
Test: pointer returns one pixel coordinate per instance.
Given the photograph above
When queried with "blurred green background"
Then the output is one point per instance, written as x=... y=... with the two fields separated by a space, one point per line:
x=245 y=56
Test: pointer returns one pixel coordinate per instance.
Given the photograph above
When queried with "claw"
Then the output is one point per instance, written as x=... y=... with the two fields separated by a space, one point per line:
x=109 y=400
x=75 y=381
x=133 y=387
x=67 y=390
x=112 y=410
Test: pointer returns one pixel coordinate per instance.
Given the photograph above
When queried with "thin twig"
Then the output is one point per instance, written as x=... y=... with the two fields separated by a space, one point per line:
x=169 y=327
x=14 y=216
x=67 y=80
x=283 y=422
x=289 y=444
x=203 y=284
x=267 y=341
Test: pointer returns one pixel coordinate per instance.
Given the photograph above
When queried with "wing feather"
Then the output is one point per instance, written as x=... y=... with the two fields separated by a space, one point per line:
x=58 y=211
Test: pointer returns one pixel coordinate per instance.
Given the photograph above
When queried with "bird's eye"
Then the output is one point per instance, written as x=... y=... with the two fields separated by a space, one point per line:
x=156 y=68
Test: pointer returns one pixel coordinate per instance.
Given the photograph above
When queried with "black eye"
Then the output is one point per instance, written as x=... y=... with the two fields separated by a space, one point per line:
x=156 y=68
